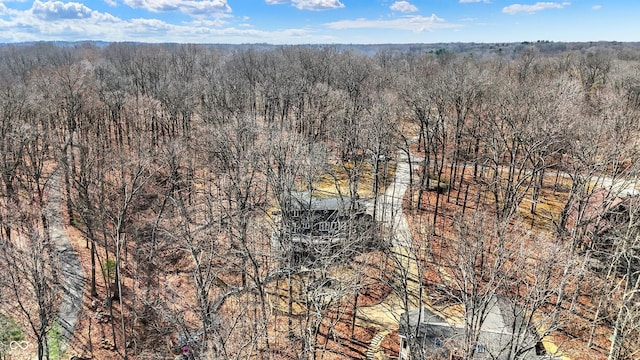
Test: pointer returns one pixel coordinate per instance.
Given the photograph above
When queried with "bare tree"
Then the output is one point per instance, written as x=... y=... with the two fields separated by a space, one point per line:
x=489 y=267
x=31 y=266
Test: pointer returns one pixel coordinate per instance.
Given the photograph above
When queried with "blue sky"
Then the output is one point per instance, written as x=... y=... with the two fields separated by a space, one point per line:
x=319 y=21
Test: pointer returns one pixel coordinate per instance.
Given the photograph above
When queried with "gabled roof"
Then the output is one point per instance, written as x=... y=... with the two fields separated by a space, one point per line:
x=431 y=324
x=304 y=201
x=504 y=324
x=598 y=203
x=601 y=211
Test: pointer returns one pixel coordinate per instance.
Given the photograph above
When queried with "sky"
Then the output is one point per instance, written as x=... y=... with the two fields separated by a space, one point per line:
x=319 y=21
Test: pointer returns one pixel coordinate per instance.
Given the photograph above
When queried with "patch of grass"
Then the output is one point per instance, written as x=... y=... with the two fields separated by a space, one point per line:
x=336 y=180
x=552 y=349
x=9 y=333
x=441 y=179
x=548 y=210
x=109 y=269
x=54 y=341
x=9 y=330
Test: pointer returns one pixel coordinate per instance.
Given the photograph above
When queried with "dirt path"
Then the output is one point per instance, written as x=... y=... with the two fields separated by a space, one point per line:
x=617 y=185
x=71 y=273
x=385 y=317
x=389 y=205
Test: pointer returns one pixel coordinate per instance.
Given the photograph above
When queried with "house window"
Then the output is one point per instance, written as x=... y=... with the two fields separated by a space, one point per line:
x=480 y=348
x=437 y=343
x=324 y=226
x=306 y=224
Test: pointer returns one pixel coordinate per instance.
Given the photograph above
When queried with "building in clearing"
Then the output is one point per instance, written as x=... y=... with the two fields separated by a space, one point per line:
x=604 y=220
x=426 y=335
x=310 y=225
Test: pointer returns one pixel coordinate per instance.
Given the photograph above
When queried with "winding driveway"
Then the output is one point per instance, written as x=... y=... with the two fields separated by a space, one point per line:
x=71 y=274
x=385 y=317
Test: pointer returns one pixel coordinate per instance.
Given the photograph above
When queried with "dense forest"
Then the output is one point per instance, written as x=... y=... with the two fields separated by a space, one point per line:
x=142 y=186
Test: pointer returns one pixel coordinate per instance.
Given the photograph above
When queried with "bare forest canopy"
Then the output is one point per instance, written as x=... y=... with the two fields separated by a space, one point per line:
x=167 y=163
x=474 y=49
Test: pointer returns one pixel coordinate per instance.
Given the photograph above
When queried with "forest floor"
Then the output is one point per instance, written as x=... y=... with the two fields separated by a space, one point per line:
x=384 y=316
x=571 y=340
x=86 y=315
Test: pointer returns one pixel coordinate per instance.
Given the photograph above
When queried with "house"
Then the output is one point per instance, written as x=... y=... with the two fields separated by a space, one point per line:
x=592 y=212
x=427 y=335
x=310 y=225
x=602 y=220
x=424 y=334
x=601 y=210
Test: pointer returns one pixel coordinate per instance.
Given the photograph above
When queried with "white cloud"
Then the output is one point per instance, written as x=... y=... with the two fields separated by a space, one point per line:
x=215 y=22
x=596 y=7
x=3 y=9
x=192 y=7
x=73 y=22
x=150 y=24
x=403 y=6
x=55 y=20
x=539 y=6
x=310 y=4
x=474 y=1
x=412 y=23
x=57 y=10
x=317 y=4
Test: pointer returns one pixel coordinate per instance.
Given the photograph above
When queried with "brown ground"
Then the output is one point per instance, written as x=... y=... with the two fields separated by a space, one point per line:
x=571 y=339
x=391 y=345
x=335 y=335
